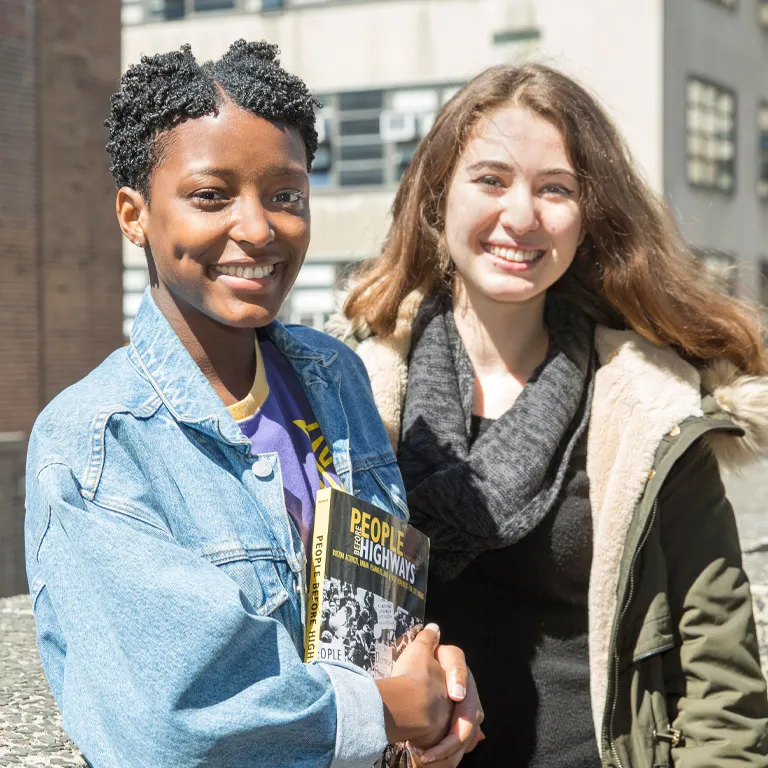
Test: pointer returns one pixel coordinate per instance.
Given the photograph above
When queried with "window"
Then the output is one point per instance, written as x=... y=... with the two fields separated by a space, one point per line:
x=214 y=5
x=711 y=136
x=368 y=138
x=762 y=150
x=720 y=268
x=167 y=10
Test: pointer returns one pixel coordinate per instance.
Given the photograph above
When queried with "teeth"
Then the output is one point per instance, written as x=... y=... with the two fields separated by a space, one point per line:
x=513 y=254
x=246 y=272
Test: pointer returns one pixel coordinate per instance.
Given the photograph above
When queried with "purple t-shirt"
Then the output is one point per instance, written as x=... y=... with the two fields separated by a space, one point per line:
x=277 y=417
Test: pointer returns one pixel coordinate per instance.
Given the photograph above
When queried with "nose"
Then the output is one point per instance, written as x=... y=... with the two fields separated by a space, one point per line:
x=519 y=214
x=252 y=226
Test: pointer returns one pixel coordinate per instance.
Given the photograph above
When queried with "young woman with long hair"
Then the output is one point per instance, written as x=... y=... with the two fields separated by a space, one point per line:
x=562 y=384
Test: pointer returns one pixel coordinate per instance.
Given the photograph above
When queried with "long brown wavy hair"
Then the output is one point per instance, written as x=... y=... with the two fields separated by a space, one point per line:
x=632 y=270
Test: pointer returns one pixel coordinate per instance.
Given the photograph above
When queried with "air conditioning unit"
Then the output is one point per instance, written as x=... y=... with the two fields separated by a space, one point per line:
x=397 y=126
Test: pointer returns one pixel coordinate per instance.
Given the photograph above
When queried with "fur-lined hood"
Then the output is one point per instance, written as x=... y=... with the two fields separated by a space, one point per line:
x=642 y=394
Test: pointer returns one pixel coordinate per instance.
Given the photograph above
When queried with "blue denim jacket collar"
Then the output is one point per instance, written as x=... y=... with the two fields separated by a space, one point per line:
x=160 y=356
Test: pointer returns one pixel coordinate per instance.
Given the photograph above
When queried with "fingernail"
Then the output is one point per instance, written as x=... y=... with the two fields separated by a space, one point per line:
x=426 y=759
x=433 y=627
x=457 y=691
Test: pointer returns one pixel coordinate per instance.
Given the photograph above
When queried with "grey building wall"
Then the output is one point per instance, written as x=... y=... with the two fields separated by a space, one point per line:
x=728 y=47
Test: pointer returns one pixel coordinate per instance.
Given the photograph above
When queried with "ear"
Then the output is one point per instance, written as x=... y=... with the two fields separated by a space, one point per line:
x=132 y=213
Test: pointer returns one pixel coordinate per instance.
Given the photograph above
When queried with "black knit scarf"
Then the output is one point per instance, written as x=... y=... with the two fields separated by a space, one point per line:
x=489 y=496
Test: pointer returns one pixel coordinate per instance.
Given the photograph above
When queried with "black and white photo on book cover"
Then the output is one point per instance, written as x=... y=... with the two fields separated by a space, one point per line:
x=361 y=627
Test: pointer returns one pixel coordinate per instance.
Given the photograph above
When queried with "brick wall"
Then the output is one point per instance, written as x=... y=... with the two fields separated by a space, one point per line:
x=61 y=291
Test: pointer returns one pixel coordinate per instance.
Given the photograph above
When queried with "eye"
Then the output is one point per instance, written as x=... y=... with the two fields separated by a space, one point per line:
x=207 y=197
x=557 y=189
x=490 y=181
x=289 y=197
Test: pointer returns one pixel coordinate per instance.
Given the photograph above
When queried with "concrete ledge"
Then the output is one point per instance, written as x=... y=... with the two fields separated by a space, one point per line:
x=30 y=723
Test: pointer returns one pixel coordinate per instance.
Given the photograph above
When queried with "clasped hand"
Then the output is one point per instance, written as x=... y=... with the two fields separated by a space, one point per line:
x=431 y=701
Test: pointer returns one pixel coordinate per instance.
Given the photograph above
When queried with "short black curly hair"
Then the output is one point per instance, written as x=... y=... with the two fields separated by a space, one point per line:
x=164 y=90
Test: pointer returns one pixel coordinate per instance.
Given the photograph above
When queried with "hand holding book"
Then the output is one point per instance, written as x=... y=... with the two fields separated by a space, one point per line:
x=366 y=606
x=417 y=707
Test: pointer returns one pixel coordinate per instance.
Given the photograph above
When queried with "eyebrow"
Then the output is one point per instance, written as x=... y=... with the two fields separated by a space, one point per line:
x=498 y=165
x=210 y=171
x=272 y=170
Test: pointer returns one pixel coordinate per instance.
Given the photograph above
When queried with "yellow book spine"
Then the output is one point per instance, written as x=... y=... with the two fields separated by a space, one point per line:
x=319 y=556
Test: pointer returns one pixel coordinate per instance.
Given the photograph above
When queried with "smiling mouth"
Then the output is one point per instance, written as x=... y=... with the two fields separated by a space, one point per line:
x=242 y=271
x=516 y=255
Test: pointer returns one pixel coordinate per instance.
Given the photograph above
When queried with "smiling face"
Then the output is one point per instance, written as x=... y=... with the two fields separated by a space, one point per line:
x=512 y=219
x=228 y=219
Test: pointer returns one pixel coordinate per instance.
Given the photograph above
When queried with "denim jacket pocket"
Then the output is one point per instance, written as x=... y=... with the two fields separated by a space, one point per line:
x=381 y=483
x=256 y=572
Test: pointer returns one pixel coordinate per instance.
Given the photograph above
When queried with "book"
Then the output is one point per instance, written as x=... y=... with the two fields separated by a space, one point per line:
x=368 y=584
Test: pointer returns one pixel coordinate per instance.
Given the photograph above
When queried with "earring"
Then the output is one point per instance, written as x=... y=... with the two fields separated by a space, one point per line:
x=138 y=243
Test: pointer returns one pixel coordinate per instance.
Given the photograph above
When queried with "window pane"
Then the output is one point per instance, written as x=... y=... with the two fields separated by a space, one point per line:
x=710 y=143
x=361 y=100
x=167 y=9
x=214 y=5
x=362 y=152
x=362 y=177
x=359 y=127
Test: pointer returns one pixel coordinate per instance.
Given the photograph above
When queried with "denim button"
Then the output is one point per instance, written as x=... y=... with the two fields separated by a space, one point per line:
x=262 y=468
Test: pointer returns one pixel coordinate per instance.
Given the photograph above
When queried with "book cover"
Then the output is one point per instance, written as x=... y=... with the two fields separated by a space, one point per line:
x=368 y=584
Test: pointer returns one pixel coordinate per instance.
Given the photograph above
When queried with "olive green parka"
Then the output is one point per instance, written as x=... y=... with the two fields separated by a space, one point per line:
x=675 y=677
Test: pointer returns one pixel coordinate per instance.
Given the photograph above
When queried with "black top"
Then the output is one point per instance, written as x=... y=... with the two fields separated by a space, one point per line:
x=520 y=615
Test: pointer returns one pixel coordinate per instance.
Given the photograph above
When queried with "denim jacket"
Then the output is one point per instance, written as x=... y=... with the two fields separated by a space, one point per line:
x=167 y=579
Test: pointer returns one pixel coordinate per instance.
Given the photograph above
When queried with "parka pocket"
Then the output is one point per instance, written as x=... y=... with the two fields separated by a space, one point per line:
x=655 y=636
x=642 y=712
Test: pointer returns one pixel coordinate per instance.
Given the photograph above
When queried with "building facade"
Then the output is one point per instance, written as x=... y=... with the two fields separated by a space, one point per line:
x=60 y=296
x=383 y=67
x=715 y=158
